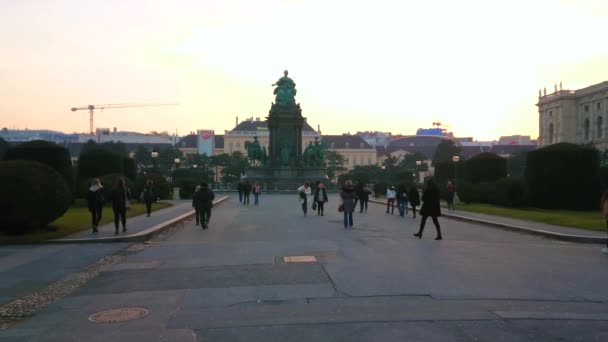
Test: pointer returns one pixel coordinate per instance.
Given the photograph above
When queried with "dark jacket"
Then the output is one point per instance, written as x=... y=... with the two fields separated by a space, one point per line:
x=363 y=194
x=120 y=197
x=413 y=196
x=148 y=195
x=203 y=198
x=348 y=198
x=95 y=197
x=430 y=201
x=247 y=187
x=323 y=194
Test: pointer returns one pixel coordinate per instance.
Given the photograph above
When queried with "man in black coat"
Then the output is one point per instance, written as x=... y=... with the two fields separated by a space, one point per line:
x=203 y=200
x=246 y=192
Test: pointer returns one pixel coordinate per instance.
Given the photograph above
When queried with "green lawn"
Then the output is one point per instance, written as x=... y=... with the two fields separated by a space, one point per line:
x=590 y=220
x=76 y=219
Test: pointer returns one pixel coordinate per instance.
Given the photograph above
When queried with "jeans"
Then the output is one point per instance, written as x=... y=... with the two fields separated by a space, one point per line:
x=246 y=198
x=96 y=216
x=362 y=205
x=390 y=204
x=255 y=198
x=149 y=207
x=348 y=219
x=120 y=214
x=320 y=206
x=305 y=207
x=204 y=215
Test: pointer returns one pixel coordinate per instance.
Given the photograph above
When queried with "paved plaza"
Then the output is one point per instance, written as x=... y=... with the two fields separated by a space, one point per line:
x=375 y=282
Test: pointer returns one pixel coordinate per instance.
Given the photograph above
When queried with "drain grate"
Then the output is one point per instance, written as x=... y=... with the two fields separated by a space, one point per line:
x=302 y=258
x=118 y=315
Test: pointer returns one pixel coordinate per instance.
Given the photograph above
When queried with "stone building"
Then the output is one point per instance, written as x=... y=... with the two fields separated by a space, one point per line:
x=574 y=116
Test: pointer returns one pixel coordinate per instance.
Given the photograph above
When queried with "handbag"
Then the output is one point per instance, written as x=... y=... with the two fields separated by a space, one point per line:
x=341 y=208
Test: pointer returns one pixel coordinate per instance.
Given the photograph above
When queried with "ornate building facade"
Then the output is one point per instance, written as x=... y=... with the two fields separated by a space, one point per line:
x=574 y=116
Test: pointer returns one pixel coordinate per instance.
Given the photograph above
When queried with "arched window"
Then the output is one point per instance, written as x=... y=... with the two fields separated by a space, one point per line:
x=587 y=127
x=550 y=133
x=600 y=127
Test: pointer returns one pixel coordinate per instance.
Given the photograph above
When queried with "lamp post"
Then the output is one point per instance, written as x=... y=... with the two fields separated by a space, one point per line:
x=418 y=164
x=455 y=159
x=176 y=162
x=154 y=155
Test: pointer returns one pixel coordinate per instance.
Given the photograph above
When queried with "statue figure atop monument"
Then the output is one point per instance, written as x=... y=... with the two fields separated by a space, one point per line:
x=285 y=91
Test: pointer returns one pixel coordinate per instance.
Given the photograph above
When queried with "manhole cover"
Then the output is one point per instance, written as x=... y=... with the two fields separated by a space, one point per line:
x=118 y=315
x=302 y=258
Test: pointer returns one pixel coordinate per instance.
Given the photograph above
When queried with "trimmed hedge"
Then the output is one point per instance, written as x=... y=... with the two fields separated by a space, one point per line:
x=508 y=192
x=485 y=167
x=563 y=176
x=45 y=152
x=32 y=195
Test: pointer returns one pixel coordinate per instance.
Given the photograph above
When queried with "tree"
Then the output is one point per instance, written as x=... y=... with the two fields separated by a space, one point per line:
x=445 y=151
x=4 y=146
x=335 y=164
x=217 y=162
x=143 y=156
x=237 y=163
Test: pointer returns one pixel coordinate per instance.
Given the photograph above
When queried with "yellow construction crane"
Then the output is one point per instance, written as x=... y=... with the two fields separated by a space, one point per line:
x=92 y=108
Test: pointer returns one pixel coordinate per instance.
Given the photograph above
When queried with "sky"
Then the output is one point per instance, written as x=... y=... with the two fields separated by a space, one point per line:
x=393 y=66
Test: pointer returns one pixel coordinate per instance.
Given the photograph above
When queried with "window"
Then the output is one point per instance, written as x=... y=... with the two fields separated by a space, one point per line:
x=550 y=113
x=333 y=145
x=551 y=133
x=369 y=161
x=586 y=108
x=587 y=129
x=361 y=146
x=599 y=106
x=347 y=145
x=600 y=127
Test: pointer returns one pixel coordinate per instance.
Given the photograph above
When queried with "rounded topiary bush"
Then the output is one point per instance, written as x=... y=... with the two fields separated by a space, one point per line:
x=32 y=195
x=45 y=152
x=563 y=176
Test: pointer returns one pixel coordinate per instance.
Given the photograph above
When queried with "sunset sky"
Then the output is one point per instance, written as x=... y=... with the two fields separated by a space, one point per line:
x=392 y=66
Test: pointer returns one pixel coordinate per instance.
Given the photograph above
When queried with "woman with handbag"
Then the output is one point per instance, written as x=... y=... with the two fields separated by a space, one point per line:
x=304 y=192
x=95 y=202
x=347 y=195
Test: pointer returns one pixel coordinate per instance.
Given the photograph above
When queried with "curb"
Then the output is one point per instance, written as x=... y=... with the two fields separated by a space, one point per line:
x=139 y=236
x=525 y=230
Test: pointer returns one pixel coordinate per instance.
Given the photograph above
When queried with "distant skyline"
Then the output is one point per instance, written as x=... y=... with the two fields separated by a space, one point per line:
x=392 y=66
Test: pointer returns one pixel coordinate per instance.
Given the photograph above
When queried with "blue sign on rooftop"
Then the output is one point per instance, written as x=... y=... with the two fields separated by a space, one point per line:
x=430 y=131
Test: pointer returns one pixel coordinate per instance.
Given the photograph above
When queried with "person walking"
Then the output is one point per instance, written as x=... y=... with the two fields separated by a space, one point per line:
x=414 y=198
x=204 y=202
x=120 y=204
x=402 y=200
x=430 y=207
x=195 y=204
x=239 y=188
x=451 y=192
x=246 y=192
x=390 y=199
x=604 y=206
x=363 y=197
x=320 y=197
x=257 y=190
x=95 y=202
x=347 y=195
x=149 y=196
x=304 y=191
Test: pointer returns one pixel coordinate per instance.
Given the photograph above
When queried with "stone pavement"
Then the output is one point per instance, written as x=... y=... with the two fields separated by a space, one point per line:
x=375 y=282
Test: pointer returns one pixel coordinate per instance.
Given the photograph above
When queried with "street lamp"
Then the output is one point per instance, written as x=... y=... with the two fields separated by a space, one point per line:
x=194 y=166
x=154 y=155
x=418 y=164
x=455 y=159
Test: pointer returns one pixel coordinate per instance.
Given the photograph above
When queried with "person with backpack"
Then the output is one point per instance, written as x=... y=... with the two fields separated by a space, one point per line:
x=120 y=204
x=402 y=200
x=320 y=197
x=390 y=199
x=414 y=198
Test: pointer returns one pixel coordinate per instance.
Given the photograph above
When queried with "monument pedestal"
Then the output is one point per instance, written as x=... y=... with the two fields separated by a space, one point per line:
x=284 y=178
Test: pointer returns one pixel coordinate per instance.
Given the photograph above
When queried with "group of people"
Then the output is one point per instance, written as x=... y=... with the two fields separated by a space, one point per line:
x=350 y=195
x=120 y=197
x=245 y=189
